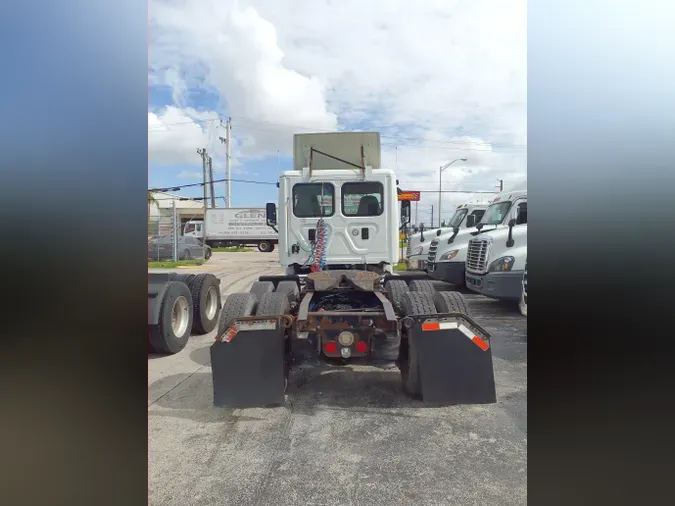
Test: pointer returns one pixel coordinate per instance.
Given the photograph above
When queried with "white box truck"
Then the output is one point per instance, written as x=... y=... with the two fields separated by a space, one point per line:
x=245 y=226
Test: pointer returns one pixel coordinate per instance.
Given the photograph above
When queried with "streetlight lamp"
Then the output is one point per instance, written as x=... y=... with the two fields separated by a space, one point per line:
x=440 y=194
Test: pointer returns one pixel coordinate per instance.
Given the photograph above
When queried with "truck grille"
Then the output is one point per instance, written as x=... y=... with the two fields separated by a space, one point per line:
x=432 y=250
x=477 y=255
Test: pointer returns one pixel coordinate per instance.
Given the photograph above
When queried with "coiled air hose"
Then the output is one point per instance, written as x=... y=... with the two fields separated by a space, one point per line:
x=320 y=250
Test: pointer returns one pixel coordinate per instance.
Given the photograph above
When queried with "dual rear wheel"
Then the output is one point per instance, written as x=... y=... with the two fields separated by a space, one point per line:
x=420 y=298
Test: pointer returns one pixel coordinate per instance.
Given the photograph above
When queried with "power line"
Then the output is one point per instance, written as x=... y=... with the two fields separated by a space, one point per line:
x=181 y=186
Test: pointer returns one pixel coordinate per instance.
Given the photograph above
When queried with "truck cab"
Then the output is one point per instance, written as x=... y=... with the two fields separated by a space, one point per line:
x=496 y=260
x=418 y=248
x=447 y=258
x=194 y=228
x=338 y=209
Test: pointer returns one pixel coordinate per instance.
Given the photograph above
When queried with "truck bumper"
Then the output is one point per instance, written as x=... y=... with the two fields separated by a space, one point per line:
x=450 y=272
x=497 y=285
x=416 y=262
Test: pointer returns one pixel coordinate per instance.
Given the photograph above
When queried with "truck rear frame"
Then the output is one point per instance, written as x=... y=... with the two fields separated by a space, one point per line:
x=443 y=355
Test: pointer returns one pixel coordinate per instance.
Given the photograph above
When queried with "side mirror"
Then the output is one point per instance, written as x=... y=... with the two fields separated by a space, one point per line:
x=271 y=214
x=405 y=212
x=471 y=220
x=438 y=232
x=509 y=240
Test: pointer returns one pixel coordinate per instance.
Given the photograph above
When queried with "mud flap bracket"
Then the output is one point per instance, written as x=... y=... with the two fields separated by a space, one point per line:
x=454 y=357
x=248 y=363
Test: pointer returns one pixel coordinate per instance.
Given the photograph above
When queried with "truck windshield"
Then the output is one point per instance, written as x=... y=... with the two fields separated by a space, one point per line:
x=307 y=200
x=495 y=213
x=457 y=218
x=190 y=227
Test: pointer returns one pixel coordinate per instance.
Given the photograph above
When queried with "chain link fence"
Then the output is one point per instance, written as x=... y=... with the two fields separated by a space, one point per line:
x=166 y=242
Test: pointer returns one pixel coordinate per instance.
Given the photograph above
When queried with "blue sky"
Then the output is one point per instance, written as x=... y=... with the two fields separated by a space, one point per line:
x=438 y=81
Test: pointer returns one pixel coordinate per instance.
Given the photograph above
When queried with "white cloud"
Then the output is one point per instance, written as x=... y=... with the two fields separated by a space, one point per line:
x=451 y=74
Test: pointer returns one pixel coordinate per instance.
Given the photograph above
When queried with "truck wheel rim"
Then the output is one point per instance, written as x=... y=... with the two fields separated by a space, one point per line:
x=211 y=303
x=179 y=316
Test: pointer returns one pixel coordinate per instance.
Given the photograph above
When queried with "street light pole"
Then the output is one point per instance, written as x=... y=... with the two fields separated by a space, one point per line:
x=440 y=194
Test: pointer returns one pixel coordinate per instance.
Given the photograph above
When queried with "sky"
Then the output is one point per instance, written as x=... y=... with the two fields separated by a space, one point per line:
x=440 y=80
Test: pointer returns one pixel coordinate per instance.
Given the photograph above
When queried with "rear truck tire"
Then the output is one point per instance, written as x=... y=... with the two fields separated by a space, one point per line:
x=422 y=285
x=183 y=278
x=172 y=332
x=260 y=288
x=290 y=288
x=395 y=289
x=205 y=289
x=265 y=247
x=273 y=304
x=236 y=305
x=451 y=302
x=413 y=303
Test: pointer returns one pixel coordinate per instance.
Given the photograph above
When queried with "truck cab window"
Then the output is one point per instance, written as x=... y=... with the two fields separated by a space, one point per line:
x=495 y=213
x=478 y=213
x=457 y=218
x=362 y=199
x=307 y=200
x=190 y=227
x=522 y=213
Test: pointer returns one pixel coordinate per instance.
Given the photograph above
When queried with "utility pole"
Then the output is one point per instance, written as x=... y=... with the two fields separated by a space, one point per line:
x=416 y=222
x=228 y=134
x=501 y=185
x=213 y=193
x=432 y=216
x=226 y=140
x=204 y=155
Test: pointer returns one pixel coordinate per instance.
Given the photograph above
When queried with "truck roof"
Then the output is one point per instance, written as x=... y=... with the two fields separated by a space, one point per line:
x=344 y=145
x=508 y=195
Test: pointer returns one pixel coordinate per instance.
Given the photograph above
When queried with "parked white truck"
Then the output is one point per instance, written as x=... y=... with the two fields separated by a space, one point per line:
x=421 y=245
x=496 y=260
x=447 y=254
x=339 y=221
x=235 y=227
x=418 y=249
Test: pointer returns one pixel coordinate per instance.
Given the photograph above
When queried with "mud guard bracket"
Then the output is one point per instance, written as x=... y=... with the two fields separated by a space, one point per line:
x=248 y=364
x=454 y=357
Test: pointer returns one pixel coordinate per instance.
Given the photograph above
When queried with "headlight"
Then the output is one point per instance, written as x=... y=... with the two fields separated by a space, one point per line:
x=504 y=264
x=448 y=255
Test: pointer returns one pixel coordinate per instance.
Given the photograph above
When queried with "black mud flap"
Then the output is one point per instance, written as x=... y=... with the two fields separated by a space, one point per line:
x=454 y=357
x=248 y=364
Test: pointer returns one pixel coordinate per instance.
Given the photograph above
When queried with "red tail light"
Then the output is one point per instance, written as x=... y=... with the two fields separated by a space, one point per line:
x=361 y=347
x=330 y=347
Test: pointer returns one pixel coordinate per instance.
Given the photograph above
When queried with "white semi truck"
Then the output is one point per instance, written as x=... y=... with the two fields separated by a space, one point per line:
x=418 y=249
x=234 y=227
x=447 y=253
x=421 y=244
x=339 y=220
x=496 y=260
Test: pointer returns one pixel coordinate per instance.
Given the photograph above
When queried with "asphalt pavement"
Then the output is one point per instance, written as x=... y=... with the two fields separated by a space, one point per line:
x=346 y=436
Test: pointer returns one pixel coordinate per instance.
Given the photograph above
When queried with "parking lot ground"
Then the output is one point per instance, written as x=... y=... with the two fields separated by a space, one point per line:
x=346 y=435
